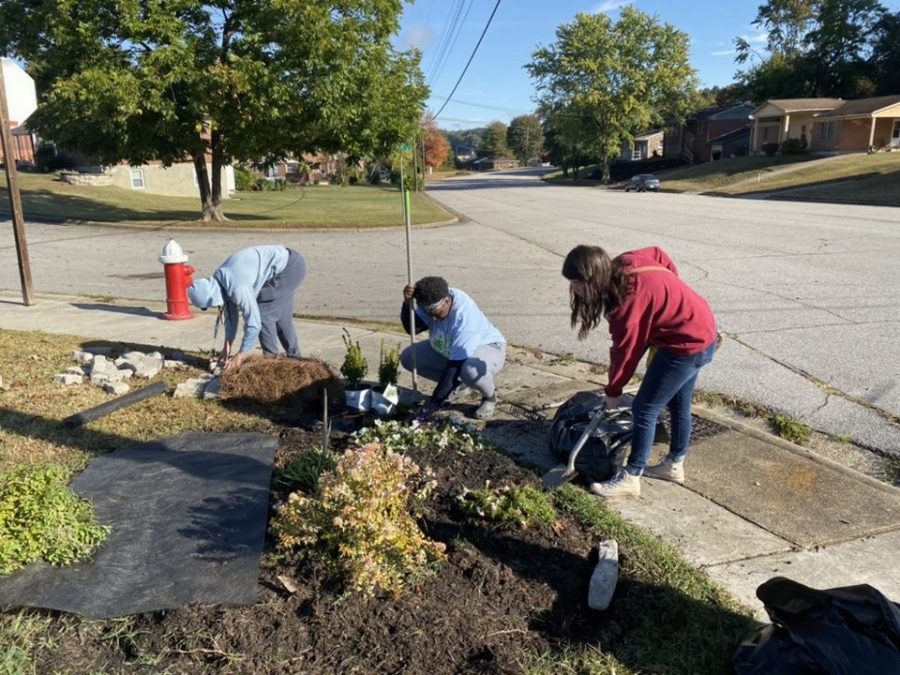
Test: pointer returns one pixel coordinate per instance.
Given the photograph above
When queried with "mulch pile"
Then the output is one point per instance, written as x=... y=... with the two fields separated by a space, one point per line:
x=281 y=384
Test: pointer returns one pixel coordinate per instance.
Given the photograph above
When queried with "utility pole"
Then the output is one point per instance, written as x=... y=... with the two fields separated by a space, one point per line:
x=15 y=198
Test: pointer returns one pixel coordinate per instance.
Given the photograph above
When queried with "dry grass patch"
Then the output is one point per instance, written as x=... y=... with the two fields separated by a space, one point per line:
x=32 y=407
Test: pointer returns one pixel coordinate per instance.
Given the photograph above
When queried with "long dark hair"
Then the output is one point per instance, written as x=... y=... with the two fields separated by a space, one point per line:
x=605 y=286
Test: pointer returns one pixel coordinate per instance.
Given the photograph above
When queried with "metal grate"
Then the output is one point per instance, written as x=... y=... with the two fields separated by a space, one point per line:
x=702 y=428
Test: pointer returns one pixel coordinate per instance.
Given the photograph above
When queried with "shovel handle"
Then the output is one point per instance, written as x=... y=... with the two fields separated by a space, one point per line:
x=586 y=434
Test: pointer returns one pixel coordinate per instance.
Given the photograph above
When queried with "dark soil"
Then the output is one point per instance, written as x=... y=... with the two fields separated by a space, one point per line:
x=504 y=596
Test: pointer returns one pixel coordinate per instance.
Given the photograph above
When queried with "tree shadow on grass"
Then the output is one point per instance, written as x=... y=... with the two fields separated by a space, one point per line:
x=62 y=208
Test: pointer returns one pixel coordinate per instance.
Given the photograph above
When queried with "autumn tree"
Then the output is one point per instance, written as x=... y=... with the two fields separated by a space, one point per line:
x=524 y=137
x=618 y=78
x=217 y=82
x=437 y=147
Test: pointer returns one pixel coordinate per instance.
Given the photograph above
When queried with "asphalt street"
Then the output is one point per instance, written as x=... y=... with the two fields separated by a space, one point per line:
x=808 y=294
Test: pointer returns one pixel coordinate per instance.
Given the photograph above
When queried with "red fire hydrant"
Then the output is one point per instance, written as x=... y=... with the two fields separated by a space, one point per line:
x=178 y=278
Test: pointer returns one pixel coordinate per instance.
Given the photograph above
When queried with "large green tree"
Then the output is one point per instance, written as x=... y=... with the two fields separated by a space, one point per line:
x=816 y=48
x=493 y=142
x=619 y=78
x=524 y=137
x=223 y=81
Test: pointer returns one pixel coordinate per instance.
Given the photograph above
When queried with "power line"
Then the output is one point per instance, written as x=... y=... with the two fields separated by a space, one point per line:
x=468 y=63
x=440 y=68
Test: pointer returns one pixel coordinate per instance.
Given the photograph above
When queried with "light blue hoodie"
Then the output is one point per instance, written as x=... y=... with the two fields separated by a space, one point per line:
x=236 y=285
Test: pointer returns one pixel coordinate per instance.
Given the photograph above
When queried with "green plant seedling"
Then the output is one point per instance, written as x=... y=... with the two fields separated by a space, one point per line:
x=355 y=365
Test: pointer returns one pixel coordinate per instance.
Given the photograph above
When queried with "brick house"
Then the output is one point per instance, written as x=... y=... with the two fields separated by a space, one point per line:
x=857 y=126
x=779 y=119
x=23 y=144
x=645 y=145
x=694 y=140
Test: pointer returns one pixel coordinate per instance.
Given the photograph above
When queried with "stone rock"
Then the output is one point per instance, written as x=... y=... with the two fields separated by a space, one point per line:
x=75 y=370
x=125 y=373
x=174 y=363
x=66 y=379
x=99 y=379
x=82 y=357
x=605 y=576
x=192 y=388
x=117 y=388
x=212 y=388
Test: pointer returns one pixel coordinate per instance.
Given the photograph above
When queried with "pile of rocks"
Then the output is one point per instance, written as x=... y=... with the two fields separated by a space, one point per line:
x=104 y=371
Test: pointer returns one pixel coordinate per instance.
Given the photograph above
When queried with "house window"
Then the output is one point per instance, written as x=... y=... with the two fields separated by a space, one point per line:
x=636 y=155
x=137 y=179
x=895 y=134
x=826 y=129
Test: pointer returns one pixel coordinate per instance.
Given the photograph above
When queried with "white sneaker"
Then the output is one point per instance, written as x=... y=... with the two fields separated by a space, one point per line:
x=623 y=484
x=668 y=469
x=486 y=410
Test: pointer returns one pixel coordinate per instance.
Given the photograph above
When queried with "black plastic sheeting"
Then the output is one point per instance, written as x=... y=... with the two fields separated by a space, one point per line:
x=188 y=517
x=854 y=630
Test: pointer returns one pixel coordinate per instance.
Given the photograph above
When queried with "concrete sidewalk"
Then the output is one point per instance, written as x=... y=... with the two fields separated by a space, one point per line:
x=753 y=506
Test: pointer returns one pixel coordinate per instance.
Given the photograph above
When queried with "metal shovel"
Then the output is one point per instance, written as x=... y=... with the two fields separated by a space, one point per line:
x=562 y=474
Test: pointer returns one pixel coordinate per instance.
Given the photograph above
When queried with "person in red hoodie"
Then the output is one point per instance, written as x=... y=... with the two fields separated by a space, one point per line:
x=646 y=304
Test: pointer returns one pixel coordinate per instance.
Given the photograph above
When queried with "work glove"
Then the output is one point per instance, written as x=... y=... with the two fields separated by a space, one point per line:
x=611 y=402
x=426 y=412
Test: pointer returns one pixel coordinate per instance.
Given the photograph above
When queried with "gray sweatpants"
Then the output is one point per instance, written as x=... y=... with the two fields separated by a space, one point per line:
x=477 y=372
x=276 y=308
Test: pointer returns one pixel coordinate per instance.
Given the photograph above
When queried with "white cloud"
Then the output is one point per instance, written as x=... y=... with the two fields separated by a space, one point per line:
x=418 y=36
x=759 y=38
x=610 y=6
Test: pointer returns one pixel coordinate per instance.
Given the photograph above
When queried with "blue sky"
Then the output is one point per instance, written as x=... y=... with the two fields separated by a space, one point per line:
x=497 y=87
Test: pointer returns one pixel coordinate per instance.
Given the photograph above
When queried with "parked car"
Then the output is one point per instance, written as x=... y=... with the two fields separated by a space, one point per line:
x=642 y=182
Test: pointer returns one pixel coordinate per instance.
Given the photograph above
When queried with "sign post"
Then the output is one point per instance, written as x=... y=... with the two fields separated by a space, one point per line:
x=404 y=195
x=18 y=107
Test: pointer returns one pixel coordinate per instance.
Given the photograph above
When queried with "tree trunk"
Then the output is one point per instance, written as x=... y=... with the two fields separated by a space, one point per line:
x=605 y=170
x=209 y=209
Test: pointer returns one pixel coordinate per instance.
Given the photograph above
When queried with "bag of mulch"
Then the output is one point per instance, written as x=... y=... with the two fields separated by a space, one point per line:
x=854 y=630
x=605 y=451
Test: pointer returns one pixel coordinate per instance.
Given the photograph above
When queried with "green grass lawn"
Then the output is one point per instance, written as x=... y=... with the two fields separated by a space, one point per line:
x=716 y=175
x=871 y=179
x=45 y=197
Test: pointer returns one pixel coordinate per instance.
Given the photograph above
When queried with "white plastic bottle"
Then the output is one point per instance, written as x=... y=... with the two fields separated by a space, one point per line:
x=605 y=576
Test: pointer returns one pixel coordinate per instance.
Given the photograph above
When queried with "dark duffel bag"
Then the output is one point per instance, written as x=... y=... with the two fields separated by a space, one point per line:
x=606 y=449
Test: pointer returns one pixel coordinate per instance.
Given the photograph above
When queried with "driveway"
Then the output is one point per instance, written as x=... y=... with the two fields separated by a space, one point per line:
x=808 y=294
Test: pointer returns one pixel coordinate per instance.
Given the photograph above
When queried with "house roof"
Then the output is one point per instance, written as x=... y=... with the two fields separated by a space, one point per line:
x=730 y=136
x=862 y=106
x=722 y=111
x=647 y=135
x=790 y=105
x=21 y=131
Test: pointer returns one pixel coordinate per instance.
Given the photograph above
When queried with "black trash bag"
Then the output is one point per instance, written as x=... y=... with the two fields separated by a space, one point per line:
x=604 y=453
x=854 y=630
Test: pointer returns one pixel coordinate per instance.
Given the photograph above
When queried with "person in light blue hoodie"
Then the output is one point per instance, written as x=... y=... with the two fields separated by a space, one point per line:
x=464 y=350
x=258 y=283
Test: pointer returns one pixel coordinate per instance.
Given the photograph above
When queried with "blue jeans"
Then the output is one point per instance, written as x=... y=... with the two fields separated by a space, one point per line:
x=276 y=308
x=669 y=381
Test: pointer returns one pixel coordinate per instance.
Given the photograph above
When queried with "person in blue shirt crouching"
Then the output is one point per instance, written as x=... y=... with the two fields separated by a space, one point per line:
x=464 y=350
x=258 y=283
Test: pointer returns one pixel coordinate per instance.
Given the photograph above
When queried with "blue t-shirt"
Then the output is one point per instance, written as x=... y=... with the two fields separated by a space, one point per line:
x=242 y=277
x=462 y=331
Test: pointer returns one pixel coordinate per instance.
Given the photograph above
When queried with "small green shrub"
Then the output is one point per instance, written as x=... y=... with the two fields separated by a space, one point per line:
x=770 y=148
x=791 y=430
x=522 y=506
x=793 y=146
x=244 y=180
x=41 y=518
x=388 y=365
x=447 y=436
x=355 y=365
x=303 y=472
x=361 y=522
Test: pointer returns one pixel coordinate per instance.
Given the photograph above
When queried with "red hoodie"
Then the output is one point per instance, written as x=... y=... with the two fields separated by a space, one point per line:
x=661 y=310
